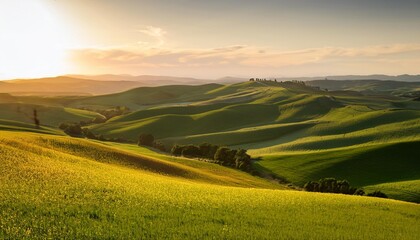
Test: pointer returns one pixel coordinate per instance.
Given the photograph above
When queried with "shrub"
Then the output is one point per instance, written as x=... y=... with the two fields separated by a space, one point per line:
x=87 y=133
x=63 y=126
x=74 y=130
x=377 y=194
x=330 y=185
x=176 y=150
x=160 y=146
x=146 y=140
x=359 y=192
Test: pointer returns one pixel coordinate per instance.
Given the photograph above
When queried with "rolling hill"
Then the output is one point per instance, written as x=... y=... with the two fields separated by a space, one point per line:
x=283 y=124
x=61 y=187
x=397 y=88
x=282 y=120
x=49 y=116
x=64 y=86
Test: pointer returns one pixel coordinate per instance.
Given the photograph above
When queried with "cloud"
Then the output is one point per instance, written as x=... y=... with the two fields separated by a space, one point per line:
x=242 y=59
x=155 y=32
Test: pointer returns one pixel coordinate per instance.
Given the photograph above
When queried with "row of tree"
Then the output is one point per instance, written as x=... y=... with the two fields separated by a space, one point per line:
x=221 y=155
x=77 y=130
x=275 y=80
x=332 y=185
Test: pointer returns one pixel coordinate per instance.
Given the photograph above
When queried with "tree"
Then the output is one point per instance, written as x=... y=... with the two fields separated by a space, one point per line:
x=191 y=151
x=242 y=160
x=36 y=120
x=222 y=154
x=87 y=133
x=146 y=140
x=74 y=130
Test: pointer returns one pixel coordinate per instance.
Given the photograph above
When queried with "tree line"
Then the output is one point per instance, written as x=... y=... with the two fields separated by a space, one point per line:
x=332 y=185
x=235 y=158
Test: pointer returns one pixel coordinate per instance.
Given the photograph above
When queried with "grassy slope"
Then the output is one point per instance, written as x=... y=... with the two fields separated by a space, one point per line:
x=25 y=127
x=55 y=187
x=362 y=165
x=140 y=98
x=271 y=118
x=268 y=118
x=48 y=115
x=368 y=86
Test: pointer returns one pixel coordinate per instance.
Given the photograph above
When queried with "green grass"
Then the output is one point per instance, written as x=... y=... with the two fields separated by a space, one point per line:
x=173 y=125
x=58 y=187
x=144 y=97
x=403 y=190
x=311 y=129
x=26 y=127
x=362 y=165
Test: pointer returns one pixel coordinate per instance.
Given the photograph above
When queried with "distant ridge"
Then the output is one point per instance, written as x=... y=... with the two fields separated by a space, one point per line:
x=82 y=85
x=404 y=78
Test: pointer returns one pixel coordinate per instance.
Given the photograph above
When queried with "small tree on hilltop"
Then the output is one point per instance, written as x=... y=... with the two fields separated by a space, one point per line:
x=146 y=140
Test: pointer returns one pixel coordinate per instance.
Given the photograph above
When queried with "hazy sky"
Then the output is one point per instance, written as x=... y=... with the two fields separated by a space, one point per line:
x=209 y=39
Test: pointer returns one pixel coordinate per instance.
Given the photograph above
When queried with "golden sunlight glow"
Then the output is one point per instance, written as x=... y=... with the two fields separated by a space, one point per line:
x=32 y=42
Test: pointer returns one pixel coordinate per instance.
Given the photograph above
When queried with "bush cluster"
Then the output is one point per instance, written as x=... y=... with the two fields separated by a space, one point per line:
x=222 y=155
x=332 y=185
x=377 y=194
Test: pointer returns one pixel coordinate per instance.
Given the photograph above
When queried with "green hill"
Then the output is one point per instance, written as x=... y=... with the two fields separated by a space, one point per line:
x=277 y=119
x=371 y=86
x=50 y=116
x=145 y=97
x=61 y=187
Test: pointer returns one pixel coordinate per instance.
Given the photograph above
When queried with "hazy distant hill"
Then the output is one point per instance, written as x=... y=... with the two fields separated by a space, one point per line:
x=147 y=80
x=397 y=88
x=79 y=85
x=405 y=78
x=64 y=86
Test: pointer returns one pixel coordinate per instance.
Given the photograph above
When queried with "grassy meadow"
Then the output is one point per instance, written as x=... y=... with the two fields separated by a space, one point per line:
x=60 y=187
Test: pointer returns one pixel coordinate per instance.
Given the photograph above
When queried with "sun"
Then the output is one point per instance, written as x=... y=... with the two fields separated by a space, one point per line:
x=32 y=40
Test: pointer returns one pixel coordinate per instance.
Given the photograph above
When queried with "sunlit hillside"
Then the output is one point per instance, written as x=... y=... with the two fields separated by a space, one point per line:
x=69 y=188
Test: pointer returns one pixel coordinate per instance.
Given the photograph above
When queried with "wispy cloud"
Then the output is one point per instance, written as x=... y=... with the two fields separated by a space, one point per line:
x=155 y=32
x=241 y=59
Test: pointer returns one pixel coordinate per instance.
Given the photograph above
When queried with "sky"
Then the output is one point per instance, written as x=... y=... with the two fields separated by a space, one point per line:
x=209 y=39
